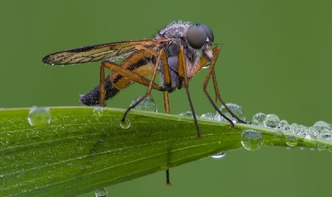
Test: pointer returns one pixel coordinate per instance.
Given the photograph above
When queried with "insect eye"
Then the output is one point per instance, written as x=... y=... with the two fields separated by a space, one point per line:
x=198 y=34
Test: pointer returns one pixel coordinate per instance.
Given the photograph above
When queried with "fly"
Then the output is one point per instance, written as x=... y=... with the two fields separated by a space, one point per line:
x=177 y=53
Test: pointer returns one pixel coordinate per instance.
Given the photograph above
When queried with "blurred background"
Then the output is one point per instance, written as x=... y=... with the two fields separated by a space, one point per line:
x=276 y=58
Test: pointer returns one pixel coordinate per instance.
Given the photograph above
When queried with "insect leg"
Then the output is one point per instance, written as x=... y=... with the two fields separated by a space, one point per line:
x=211 y=71
x=151 y=85
x=182 y=71
x=122 y=70
x=167 y=110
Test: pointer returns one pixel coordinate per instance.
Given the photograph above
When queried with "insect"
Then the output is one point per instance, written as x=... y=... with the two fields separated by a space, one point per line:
x=177 y=53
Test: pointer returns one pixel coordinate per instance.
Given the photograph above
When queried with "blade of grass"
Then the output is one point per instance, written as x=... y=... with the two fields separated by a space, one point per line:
x=81 y=150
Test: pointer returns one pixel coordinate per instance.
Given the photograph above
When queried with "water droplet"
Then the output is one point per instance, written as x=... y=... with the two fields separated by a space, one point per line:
x=283 y=123
x=39 y=116
x=258 y=119
x=101 y=192
x=319 y=125
x=291 y=140
x=309 y=138
x=295 y=128
x=207 y=116
x=187 y=113
x=97 y=111
x=252 y=140
x=285 y=127
x=271 y=121
x=279 y=136
x=206 y=66
x=313 y=131
x=236 y=109
x=321 y=147
x=148 y=104
x=219 y=155
x=125 y=124
x=330 y=149
x=324 y=134
x=302 y=130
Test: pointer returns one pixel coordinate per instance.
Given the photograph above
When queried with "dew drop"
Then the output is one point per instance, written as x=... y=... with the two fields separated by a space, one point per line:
x=271 y=121
x=291 y=140
x=319 y=125
x=283 y=124
x=125 y=124
x=236 y=109
x=207 y=116
x=148 y=104
x=97 y=111
x=219 y=155
x=252 y=140
x=39 y=116
x=285 y=128
x=186 y=113
x=258 y=119
x=313 y=131
x=302 y=131
x=206 y=66
x=321 y=147
x=309 y=138
x=330 y=149
x=101 y=192
x=295 y=128
x=279 y=135
x=324 y=134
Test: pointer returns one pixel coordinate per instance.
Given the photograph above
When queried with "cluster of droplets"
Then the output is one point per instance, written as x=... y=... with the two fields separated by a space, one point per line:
x=236 y=109
x=317 y=135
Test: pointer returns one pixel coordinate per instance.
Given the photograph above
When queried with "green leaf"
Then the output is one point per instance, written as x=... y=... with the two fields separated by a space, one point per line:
x=79 y=149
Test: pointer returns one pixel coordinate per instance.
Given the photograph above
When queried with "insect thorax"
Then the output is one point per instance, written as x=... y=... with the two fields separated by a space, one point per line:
x=178 y=31
x=174 y=30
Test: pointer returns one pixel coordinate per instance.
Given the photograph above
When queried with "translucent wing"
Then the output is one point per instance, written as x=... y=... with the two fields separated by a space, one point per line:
x=114 y=50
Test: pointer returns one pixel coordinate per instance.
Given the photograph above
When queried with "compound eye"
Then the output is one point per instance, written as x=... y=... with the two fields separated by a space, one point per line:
x=198 y=34
x=209 y=32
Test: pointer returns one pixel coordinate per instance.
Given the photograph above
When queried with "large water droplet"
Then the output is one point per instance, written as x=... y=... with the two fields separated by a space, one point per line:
x=252 y=140
x=39 y=116
x=236 y=109
x=319 y=125
x=271 y=121
x=148 y=104
x=101 y=192
x=219 y=155
x=125 y=124
x=258 y=119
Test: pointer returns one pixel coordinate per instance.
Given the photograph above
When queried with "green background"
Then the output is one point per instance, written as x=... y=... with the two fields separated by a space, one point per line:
x=276 y=58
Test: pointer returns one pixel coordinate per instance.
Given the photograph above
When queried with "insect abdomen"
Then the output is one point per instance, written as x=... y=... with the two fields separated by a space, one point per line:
x=93 y=97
